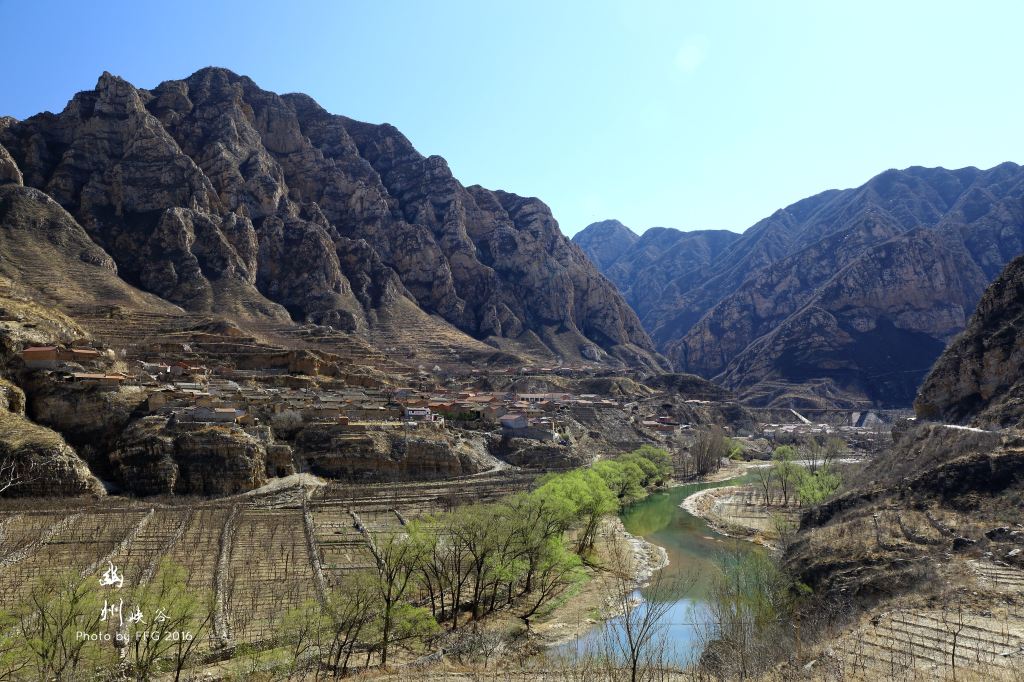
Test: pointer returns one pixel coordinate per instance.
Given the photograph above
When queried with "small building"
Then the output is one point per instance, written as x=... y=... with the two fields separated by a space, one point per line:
x=158 y=400
x=156 y=369
x=222 y=415
x=418 y=414
x=40 y=357
x=98 y=379
x=78 y=355
x=513 y=421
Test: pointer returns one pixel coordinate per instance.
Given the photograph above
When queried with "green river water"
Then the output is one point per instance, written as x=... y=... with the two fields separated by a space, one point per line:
x=692 y=547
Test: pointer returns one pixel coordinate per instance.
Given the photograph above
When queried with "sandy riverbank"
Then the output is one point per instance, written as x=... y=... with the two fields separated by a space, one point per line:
x=730 y=512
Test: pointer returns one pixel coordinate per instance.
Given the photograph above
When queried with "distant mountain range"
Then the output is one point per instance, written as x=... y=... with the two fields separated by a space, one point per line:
x=846 y=297
x=212 y=195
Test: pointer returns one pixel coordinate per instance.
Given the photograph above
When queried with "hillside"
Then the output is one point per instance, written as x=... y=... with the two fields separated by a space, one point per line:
x=221 y=198
x=979 y=379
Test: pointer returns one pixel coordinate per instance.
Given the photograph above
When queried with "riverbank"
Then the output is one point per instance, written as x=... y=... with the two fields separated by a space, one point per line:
x=733 y=511
x=730 y=469
x=596 y=599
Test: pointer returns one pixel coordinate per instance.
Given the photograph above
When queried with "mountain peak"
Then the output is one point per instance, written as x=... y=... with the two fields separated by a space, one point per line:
x=604 y=241
x=226 y=199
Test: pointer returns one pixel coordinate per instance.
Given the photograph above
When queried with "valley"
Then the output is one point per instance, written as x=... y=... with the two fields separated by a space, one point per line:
x=283 y=399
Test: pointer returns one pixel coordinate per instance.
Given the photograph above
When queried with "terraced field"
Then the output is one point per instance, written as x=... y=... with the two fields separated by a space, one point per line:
x=255 y=555
x=933 y=644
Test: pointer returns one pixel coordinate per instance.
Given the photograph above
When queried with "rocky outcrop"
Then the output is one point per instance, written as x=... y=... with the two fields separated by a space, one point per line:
x=9 y=172
x=221 y=197
x=12 y=398
x=89 y=417
x=375 y=454
x=154 y=457
x=532 y=454
x=44 y=465
x=980 y=377
x=44 y=249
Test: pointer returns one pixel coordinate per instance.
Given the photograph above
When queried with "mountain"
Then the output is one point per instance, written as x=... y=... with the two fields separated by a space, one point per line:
x=844 y=297
x=603 y=242
x=212 y=195
x=656 y=265
x=979 y=379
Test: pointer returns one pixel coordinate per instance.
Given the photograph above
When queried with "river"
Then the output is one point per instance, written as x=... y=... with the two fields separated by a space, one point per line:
x=692 y=547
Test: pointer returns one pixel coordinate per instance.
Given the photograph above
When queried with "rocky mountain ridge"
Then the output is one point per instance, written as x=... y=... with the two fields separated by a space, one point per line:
x=213 y=195
x=845 y=297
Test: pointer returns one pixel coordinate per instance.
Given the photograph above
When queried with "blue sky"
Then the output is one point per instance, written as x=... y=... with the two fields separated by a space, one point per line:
x=686 y=114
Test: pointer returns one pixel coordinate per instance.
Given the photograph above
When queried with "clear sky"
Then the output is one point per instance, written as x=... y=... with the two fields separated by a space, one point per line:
x=678 y=113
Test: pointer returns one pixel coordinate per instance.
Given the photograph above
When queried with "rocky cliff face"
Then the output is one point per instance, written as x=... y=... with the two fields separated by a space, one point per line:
x=218 y=196
x=980 y=377
x=846 y=296
x=153 y=457
x=45 y=464
x=388 y=455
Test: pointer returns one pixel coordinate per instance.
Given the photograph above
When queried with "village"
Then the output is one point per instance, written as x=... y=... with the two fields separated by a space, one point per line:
x=191 y=393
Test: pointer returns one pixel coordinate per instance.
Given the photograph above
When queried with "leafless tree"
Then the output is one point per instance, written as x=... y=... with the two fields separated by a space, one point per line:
x=835 y=448
x=814 y=453
x=708 y=450
x=638 y=637
x=765 y=477
x=954 y=621
x=12 y=475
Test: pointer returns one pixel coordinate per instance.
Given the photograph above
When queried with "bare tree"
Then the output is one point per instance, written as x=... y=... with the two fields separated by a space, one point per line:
x=765 y=477
x=638 y=637
x=814 y=453
x=835 y=448
x=954 y=621
x=12 y=475
x=708 y=450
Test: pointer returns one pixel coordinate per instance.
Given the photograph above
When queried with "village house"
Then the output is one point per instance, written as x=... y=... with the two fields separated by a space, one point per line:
x=421 y=414
x=99 y=379
x=40 y=357
x=662 y=424
x=158 y=400
x=513 y=421
x=156 y=370
x=78 y=355
x=223 y=415
x=518 y=425
x=322 y=412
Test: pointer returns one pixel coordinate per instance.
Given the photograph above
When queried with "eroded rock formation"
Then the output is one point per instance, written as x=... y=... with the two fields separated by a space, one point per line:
x=980 y=377
x=221 y=197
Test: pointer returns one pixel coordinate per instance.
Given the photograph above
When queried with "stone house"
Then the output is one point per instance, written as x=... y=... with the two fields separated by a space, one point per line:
x=513 y=421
